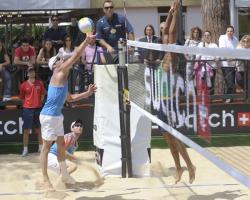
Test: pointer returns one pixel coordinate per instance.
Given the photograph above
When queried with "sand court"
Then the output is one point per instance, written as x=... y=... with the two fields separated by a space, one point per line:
x=21 y=179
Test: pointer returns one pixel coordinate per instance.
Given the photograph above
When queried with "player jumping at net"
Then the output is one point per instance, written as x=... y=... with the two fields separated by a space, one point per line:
x=51 y=117
x=176 y=147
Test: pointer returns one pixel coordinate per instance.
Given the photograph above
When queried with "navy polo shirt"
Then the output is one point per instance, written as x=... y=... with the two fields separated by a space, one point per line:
x=55 y=34
x=112 y=30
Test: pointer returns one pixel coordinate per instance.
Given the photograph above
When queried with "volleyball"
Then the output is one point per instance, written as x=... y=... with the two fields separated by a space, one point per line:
x=86 y=25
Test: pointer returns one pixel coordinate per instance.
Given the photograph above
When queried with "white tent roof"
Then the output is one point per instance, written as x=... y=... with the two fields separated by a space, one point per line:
x=242 y=3
x=18 y=5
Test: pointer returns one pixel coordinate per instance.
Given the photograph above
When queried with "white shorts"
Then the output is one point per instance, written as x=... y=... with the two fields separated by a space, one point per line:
x=53 y=163
x=51 y=127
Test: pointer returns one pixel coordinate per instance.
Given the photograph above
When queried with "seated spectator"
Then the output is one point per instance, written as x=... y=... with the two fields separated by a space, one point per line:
x=25 y=56
x=65 y=52
x=4 y=62
x=55 y=33
x=92 y=54
x=45 y=53
x=68 y=48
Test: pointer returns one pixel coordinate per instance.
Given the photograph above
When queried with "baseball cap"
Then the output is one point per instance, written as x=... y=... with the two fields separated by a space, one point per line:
x=52 y=61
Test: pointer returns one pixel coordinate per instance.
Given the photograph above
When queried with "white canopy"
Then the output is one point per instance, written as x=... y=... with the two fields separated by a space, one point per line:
x=242 y=3
x=22 y=5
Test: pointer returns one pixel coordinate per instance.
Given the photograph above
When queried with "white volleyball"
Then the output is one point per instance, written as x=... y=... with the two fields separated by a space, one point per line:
x=86 y=25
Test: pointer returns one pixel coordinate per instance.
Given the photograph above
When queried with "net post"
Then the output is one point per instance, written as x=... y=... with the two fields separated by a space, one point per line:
x=124 y=110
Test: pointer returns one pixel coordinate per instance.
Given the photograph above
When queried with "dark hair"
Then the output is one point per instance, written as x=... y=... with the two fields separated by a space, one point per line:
x=78 y=121
x=151 y=26
x=230 y=26
x=25 y=40
x=51 y=18
x=50 y=53
x=192 y=30
x=107 y=1
x=207 y=32
x=64 y=42
x=3 y=50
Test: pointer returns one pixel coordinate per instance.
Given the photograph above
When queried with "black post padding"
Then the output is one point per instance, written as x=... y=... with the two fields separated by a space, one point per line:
x=127 y=125
x=122 y=121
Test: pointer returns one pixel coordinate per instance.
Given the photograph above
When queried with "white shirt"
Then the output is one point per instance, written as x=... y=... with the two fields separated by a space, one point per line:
x=207 y=57
x=65 y=54
x=226 y=42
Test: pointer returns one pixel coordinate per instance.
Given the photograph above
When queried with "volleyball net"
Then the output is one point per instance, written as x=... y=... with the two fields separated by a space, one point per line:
x=192 y=94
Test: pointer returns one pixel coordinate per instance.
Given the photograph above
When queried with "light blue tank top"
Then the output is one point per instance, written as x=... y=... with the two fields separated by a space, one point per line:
x=70 y=150
x=56 y=98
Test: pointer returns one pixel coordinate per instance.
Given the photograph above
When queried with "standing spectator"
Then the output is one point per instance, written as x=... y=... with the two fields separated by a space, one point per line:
x=55 y=33
x=4 y=62
x=206 y=70
x=193 y=41
x=25 y=56
x=91 y=54
x=32 y=93
x=240 y=65
x=45 y=53
x=110 y=28
x=228 y=67
x=150 y=57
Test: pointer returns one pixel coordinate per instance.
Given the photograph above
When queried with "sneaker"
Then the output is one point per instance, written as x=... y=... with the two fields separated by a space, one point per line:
x=25 y=153
x=228 y=101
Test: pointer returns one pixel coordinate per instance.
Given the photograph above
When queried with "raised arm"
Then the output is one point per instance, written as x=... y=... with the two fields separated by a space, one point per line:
x=170 y=29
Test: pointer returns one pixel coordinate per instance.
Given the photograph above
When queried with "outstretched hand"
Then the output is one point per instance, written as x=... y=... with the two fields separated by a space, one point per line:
x=91 y=89
x=174 y=6
x=90 y=37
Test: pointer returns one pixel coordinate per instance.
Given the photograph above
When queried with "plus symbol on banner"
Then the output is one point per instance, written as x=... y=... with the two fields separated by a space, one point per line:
x=244 y=119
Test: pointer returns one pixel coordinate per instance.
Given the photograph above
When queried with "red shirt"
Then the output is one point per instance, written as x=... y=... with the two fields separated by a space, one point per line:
x=25 y=56
x=32 y=94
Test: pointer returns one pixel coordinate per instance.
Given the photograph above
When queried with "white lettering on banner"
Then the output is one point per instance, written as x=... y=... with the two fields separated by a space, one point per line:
x=11 y=127
x=1 y=132
x=157 y=86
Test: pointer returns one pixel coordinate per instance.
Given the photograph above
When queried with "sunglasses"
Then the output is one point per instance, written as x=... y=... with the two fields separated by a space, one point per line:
x=54 y=20
x=78 y=125
x=109 y=7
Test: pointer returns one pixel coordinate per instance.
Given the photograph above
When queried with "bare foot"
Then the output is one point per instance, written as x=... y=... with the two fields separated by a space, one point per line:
x=191 y=172
x=178 y=175
x=48 y=186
